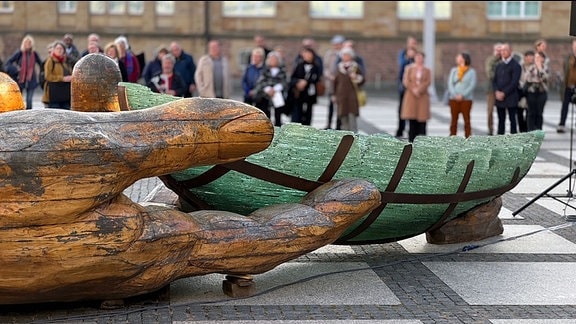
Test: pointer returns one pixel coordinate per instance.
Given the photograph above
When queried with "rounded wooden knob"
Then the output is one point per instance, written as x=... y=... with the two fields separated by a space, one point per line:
x=10 y=95
x=95 y=84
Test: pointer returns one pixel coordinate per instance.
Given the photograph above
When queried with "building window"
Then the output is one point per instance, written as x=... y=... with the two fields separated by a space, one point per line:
x=6 y=6
x=67 y=6
x=165 y=8
x=135 y=7
x=513 y=9
x=249 y=8
x=97 y=7
x=337 y=9
x=116 y=7
x=415 y=9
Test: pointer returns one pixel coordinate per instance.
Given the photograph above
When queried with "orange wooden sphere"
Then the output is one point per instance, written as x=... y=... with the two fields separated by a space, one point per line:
x=10 y=95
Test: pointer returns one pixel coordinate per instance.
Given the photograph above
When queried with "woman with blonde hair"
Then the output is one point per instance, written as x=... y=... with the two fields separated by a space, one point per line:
x=22 y=67
x=112 y=51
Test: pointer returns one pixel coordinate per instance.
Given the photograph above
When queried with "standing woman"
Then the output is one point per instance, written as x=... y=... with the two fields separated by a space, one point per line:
x=57 y=69
x=111 y=50
x=347 y=80
x=416 y=101
x=461 y=85
x=272 y=85
x=535 y=84
x=303 y=86
x=24 y=61
x=250 y=78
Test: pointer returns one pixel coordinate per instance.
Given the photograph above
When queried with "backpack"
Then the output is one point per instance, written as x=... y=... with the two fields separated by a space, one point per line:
x=42 y=77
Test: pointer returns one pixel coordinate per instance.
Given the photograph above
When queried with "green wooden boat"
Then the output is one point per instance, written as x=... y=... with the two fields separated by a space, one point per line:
x=423 y=184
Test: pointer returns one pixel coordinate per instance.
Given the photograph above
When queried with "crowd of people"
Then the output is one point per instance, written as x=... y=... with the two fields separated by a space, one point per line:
x=517 y=87
x=266 y=82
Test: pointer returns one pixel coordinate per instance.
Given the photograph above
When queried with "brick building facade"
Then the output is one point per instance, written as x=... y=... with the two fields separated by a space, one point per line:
x=378 y=36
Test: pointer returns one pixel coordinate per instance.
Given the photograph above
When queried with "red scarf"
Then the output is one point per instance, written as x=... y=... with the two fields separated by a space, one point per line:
x=26 y=66
x=60 y=59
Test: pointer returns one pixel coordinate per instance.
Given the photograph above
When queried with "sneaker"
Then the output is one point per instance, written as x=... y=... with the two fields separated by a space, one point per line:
x=560 y=129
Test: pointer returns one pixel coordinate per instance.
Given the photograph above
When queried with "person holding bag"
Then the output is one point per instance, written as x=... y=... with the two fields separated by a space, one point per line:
x=58 y=74
x=347 y=82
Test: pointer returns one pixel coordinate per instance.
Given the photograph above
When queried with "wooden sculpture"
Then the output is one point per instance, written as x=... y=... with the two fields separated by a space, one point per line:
x=68 y=233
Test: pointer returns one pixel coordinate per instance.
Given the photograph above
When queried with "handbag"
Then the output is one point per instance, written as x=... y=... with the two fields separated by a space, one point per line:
x=320 y=88
x=361 y=94
x=59 y=91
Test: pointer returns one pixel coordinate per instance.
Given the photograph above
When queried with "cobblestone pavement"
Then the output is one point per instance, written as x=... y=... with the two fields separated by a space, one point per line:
x=526 y=275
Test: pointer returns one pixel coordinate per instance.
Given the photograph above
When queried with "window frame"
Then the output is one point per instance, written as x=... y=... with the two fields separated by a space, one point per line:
x=164 y=8
x=67 y=7
x=522 y=16
x=327 y=11
x=258 y=11
x=7 y=6
x=127 y=8
x=421 y=5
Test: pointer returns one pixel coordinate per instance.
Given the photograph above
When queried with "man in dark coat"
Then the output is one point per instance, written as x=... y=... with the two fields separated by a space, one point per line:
x=505 y=85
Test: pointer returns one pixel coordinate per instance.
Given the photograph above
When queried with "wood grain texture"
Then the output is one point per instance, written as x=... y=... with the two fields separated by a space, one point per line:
x=56 y=164
x=68 y=233
x=10 y=95
x=121 y=249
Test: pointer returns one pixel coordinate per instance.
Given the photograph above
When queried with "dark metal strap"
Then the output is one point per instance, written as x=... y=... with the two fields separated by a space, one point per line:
x=122 y=98
x=182 y=187
x=184 y=193
x=337 y=159
x=391 y=187
x=452 y=206
x=208 y=176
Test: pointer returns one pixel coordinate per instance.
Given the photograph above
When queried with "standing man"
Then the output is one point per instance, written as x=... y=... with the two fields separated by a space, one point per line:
x=505 y=84
x=260 y=42
x=569 y=86
x=72 y=53
x=490 y=67
x=213 y=76
x=185 y=67
x=405 y=57
x=93 y=40
x=330 y=61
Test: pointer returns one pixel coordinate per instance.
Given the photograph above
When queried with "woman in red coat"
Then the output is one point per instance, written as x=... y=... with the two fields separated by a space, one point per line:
x=416 y=101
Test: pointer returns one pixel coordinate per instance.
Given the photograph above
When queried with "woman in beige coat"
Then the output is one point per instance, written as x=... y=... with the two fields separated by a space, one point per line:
x=416 y=101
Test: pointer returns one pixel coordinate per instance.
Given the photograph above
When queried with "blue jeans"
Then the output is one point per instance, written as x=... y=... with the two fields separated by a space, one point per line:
x=29 y=95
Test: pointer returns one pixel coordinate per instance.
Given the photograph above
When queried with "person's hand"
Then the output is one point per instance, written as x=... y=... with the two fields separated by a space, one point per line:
x=192 y=88
x=301 y=84
x=67 y=78
x=499 y=95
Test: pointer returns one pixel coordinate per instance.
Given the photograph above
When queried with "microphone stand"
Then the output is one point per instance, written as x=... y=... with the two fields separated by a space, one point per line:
x=569 y=192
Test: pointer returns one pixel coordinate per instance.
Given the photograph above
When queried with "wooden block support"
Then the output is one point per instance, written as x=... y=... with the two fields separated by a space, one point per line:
x=239 y=286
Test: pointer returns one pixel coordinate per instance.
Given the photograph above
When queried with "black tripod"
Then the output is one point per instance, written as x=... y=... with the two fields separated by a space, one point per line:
x=569 y=193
